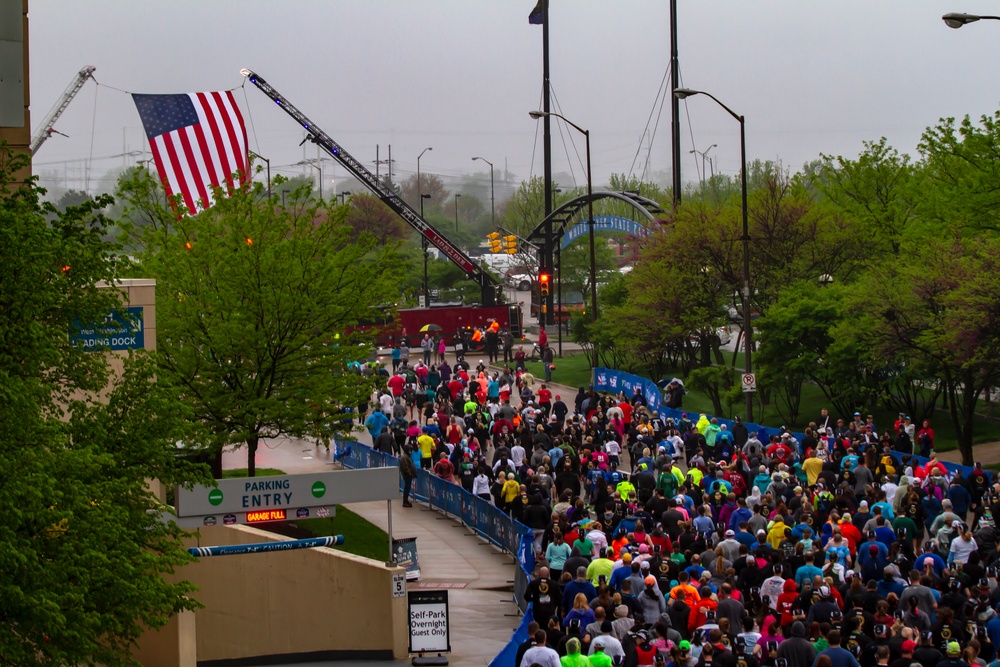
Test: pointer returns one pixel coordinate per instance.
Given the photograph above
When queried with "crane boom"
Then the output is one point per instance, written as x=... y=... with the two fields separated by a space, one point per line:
x=45 y=129
x=491 y=288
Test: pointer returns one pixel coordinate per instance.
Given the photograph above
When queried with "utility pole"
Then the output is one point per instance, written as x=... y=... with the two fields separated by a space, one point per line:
x=675 y=114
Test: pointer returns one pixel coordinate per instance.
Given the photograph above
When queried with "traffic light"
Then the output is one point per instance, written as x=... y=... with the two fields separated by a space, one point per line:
x=510 y=244
x=493 y=239
x=544 y=282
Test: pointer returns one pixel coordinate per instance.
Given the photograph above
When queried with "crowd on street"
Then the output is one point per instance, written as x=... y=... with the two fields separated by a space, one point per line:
x=686 y=542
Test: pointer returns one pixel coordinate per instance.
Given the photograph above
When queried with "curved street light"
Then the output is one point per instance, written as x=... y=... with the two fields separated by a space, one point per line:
x=958 y=19
x=682 y=93
x=419 y=188
x=493 y=217
x=590 y=212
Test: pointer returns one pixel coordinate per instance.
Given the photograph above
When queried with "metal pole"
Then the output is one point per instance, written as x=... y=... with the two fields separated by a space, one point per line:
x=675 y=122
x=747 y=325
x=388 y=509
x=593 y=252
x=559 y=295
x=493 y=204
x=420 y=190
x=423 y=243
x=546 y=317
x=456 y=211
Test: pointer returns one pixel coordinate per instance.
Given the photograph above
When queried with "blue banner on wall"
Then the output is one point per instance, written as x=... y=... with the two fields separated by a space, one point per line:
x=605 y=223
x=121 y=329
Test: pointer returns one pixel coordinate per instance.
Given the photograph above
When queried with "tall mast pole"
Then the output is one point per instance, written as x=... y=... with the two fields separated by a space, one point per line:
x=675 y=121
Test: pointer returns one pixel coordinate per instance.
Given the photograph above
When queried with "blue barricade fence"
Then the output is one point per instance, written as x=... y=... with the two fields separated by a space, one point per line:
x=608 y=380
x=505 y=658
x=481 y=516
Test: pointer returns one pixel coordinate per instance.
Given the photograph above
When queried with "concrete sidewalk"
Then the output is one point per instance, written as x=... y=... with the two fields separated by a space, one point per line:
x=478 y=577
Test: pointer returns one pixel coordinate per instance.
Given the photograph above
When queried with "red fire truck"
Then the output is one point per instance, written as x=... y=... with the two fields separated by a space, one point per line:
x=454 y=322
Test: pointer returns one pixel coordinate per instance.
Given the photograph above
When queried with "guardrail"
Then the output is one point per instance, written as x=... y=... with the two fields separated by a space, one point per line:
x=485 y=519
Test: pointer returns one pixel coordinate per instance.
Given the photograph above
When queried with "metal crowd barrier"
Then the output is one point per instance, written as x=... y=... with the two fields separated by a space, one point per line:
x=485 y=519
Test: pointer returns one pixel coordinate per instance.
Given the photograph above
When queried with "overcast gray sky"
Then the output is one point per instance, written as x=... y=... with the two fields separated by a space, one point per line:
x=460 y=75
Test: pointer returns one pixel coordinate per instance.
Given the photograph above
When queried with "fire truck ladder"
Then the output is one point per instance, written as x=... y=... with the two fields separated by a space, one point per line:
x=46 y=129
x=492 y=289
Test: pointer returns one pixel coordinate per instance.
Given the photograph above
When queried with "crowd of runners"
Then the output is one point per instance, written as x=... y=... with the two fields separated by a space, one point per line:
x=688 y=543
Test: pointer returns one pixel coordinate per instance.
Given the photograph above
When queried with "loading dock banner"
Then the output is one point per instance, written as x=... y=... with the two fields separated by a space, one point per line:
x=428 y=616
x=121 y=329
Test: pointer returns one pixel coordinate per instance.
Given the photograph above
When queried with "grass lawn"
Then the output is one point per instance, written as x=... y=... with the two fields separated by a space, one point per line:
x=572 y=371
x=360 y=537
x=575 y=371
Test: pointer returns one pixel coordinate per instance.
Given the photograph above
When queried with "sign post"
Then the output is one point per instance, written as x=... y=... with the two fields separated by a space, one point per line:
x=428 y=621
x=749 y=382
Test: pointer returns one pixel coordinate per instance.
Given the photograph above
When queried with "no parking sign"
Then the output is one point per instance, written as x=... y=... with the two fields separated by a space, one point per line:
x=749 y=382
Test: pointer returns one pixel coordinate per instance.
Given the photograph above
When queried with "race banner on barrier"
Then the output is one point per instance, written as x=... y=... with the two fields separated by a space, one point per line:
x=404 y=554
x=608 y=380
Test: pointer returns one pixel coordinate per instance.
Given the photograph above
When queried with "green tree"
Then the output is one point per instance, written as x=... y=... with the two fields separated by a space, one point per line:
x=880 y=190
x=938 y=315
x=257 y=329
x=81 y=561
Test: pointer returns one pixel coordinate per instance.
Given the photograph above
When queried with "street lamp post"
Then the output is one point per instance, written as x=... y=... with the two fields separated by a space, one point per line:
x=252 y=154
x=703 y=155
x=343 y=196
x=590 y=213
x=420 y=189
x=957 y=19
x=681 y=93
x=457 y=195
x=493 y=210
x=423 y=243
x=319 y=168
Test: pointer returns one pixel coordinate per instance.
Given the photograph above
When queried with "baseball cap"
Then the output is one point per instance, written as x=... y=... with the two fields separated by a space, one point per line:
x=730 y=533
x=863 y=503
x=824 y=591
x=956 y=524
x=644 y=565
x=650 y=580
x=908 y=646
x=685 y=645
x=954 y=648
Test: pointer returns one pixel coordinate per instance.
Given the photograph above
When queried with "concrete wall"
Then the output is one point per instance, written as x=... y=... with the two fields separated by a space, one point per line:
x=174 y=645
x=306 y=604
x=18 y=133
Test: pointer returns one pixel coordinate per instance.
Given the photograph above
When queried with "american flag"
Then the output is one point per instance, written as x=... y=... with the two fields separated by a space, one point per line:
x=198 y=141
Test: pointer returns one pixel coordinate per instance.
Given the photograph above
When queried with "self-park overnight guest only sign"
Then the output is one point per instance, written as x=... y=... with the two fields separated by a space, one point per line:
x=282 y=496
